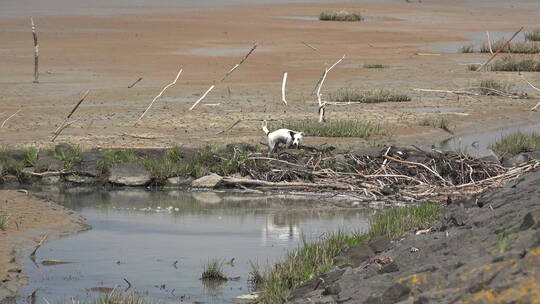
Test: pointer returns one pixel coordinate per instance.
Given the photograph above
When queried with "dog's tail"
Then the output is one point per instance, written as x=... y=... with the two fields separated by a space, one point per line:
x=265 y=127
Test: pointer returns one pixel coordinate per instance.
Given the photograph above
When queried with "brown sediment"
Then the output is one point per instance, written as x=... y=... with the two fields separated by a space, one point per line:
x=29 y=220
x=105 y=53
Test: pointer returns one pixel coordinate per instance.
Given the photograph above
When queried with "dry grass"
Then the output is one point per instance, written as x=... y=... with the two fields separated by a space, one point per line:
x=533 y=35
x=519 y=47
x=516 y=64
x=340 y=16
x=517 y=143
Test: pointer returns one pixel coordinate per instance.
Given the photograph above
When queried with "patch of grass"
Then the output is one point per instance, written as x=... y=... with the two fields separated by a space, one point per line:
x=68 y=155
x=340 y=128
x=396 y=221
x=313 y=259
x=473 y=67
x=441 y=123
x=517 y=143
x=492 y=86
x=213 y=271
x=516 y=64
x=351 y=95
x=121 y=298
x=467 y=49
x=341 y=15
x=533 y=35
x=4 y=222
x=31 y=156
x=518 y=47
x=374 y=66
x=256 y=277
x=14 y=167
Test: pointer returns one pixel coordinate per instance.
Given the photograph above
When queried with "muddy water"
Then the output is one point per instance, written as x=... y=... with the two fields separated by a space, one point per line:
x=160 y=241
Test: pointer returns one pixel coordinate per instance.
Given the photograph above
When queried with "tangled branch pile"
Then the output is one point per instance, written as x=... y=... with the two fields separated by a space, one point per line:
x=388 y=174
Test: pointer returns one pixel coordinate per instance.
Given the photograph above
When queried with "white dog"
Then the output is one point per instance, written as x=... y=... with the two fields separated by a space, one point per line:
x=282 y=136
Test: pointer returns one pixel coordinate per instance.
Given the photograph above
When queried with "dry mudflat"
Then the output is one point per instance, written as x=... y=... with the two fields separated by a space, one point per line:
x=106 y=48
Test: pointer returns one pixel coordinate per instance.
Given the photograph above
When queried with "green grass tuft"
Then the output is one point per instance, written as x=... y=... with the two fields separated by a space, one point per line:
x=4 y=222
x=69 y=155
x=374 y=66
x=340 y=16
x=467 y=49
x=256 y=278
x=32 y=156
x=516 y=64
x=396 y=221
x=517 y=143
x=492 y=87
x=340 y=128
x=441 y=123
x=533 y=35
x=351 y=95
x=213 y=271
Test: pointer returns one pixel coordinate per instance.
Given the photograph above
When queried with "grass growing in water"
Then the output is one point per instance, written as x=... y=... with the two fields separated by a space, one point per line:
x=441 y=123
x=492 y=86
x=374 y=66
x=467 y=49
x=517 y=143
x=340 y=128
x=213 y=271
x=120 y=298
x=519 y=47
x=313 y=259
x=351 y=95
x=533 y=35
x=516 y=64
x=340 y=16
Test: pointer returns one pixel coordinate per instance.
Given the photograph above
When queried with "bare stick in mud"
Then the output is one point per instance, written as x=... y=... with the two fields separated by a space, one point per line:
x=238 y=64
x=133 y=84
x=283 y=84
x=309 y=46
x=499 y=50
x=159 y=95
x=322 y=105
x=261 y=183
x=64 y=125
x=489 y=42
x=537 y=89
x=202 y=97
x=2 y=126
x=64 y=122
x=36 y=52
x=43 y=238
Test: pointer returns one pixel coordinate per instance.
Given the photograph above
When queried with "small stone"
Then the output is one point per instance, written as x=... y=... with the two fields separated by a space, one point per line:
x=414 y=249
x=379 y=243
x=129 y=174
x=388 y=268
x=332 y=289
x=528 y=222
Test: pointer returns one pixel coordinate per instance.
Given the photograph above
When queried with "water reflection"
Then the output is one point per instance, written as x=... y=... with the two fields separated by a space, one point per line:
x=160 y=241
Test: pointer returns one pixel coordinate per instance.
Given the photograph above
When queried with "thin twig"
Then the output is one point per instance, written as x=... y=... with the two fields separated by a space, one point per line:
x=2 y=126
x=499 y=50
x=238 y=64
x=36 y=52
x=133 y=84
x=43 y=238
x=72 y=111
x=159 y=95
x=321 y=104
x=202 y=97
x=283 y=84
x=310 y=46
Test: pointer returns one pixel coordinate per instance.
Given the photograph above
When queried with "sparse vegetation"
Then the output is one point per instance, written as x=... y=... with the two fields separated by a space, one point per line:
x=32 y=156
x=374 y=66
x=120 y=298
x=352 y=95
x=492 y=86
x=213 y=271
x=315 y=258
x=516 y=64
x=441 y=123
x=69 y=155
x=517 y=143
x=473 y=67
x=341 y=15
x=256 y=277
x=521 y=47
x=467 y=49
x=15 y=167
x=340 y=128
x=533 y=35
x=4 y=222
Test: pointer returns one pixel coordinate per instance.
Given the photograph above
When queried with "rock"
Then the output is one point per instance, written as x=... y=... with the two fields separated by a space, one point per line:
x=129 y=174
x=372 y=152
x=18 y=155
x=533 y=155
x=50 y=180
x=379 y=243
x=528 y=222
x=515 y=160
x=388 y=268
x=357 y=254
x=210 y=181
x=49 y=162
x=179 y=181
x=155 y=153
x=80 y=179
x=333 y=289
x=389 y=190
x=490 y=158
x=89 y=164
x=454 y=216
x=10 y=179
x=396 y=293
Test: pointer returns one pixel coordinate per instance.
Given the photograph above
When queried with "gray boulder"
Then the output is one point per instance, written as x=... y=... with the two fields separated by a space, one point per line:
x=129 y=174
x=210 y=181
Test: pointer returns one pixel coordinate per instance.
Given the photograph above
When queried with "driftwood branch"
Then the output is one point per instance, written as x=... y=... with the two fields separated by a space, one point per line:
x=133 y=84
x=36 y=52
x=2 y=126
x=319 y=97
x=283 y=84
x=281 y=185
x=202 y=97
x=238 y=64
x=499 y=50
x=160 y=93
x=309 y=46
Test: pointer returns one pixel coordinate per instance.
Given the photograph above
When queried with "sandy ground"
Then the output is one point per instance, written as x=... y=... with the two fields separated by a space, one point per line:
x=106 y=52
x=29 y=219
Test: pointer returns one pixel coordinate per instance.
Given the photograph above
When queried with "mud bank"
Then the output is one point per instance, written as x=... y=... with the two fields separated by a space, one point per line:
x=484 y=249
x=26 y=221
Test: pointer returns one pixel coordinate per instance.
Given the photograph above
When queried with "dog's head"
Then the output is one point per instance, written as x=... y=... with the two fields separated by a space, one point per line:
x=297 y=138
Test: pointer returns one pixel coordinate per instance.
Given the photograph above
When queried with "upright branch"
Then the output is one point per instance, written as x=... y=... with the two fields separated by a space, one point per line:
x=36 y=52
x=63 y=124
x=224 y=77
x=499 y=50
x=489 y=42
x=159 y=95
x=322 y=105
x=283 y=84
